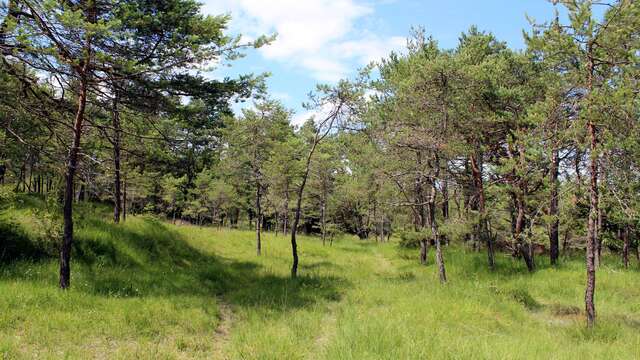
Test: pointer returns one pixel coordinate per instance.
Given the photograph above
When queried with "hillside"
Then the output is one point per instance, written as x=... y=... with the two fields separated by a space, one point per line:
x=148 y=289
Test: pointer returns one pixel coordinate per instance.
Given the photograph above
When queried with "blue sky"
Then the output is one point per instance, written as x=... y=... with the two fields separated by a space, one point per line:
x=321 y=41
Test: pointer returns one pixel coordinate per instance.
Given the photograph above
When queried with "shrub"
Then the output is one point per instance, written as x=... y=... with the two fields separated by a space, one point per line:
x=411 y=239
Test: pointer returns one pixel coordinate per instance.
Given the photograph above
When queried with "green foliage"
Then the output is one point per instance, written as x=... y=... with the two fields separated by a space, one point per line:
x=7 y=196
x=47 y=227
x=412 y=239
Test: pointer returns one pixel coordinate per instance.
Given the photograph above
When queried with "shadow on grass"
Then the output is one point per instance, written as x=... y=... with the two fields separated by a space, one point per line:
x=319 y=265
x=15 y=245
x=150 y=259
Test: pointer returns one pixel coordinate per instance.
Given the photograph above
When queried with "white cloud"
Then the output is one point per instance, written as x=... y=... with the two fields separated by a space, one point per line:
x=299 y=119
x=324 y=68
x=282 y=96
x=318 y=115
x=371 y=48
x=318 y=36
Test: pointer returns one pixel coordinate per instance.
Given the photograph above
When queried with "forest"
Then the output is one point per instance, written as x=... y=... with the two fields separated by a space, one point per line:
x=478 y=201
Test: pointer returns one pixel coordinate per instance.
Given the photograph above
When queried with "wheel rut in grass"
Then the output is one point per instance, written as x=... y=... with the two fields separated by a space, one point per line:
x=327 y=329
x=222 y=332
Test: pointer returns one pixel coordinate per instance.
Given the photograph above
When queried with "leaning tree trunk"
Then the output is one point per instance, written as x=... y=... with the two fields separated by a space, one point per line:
x=296 y=219
x=117 y=195
x=72 y=164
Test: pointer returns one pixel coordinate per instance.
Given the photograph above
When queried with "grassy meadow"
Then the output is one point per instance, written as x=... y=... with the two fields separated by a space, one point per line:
x=151 y=290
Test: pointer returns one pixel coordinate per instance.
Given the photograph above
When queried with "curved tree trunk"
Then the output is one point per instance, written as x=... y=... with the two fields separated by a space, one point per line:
x=67 y=212
x=296 y=219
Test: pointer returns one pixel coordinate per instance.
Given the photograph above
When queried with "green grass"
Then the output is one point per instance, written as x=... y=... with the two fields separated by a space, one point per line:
x=147 y=289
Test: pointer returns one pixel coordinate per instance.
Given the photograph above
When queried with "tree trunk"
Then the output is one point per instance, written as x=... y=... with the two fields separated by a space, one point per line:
x=434 y=227
x=117 y=196
x=296 y=219
x=323 y=221
x=285 y=222
x=554 y=244
x=67 y=237
x=258 y=220
x=124 y=200
x=599 y=239
x=592 y=235
x=381 y=225
x=476 y=170
x=625 y=246
x=445 y=204
x=421 y=211
x=424 y=248
x=523 y=247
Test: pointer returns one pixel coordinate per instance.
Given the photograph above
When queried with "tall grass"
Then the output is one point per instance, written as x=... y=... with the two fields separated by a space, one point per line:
x=147 y=289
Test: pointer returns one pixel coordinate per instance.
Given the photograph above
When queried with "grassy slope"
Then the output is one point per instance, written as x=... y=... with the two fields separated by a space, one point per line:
x=214 y=298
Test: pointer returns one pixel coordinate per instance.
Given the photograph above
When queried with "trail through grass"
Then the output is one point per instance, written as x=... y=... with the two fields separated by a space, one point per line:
x=147 y=289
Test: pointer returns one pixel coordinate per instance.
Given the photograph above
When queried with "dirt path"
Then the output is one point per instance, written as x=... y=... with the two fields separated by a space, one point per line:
x=222 y=333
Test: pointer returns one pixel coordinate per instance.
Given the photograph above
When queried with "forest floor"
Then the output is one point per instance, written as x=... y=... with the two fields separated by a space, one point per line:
x=151 y=290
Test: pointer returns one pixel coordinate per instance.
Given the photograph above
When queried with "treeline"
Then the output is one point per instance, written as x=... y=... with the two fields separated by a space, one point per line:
x=498 y=149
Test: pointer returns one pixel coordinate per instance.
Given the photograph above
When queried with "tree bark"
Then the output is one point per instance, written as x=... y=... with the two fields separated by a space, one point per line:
x=72 y=164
